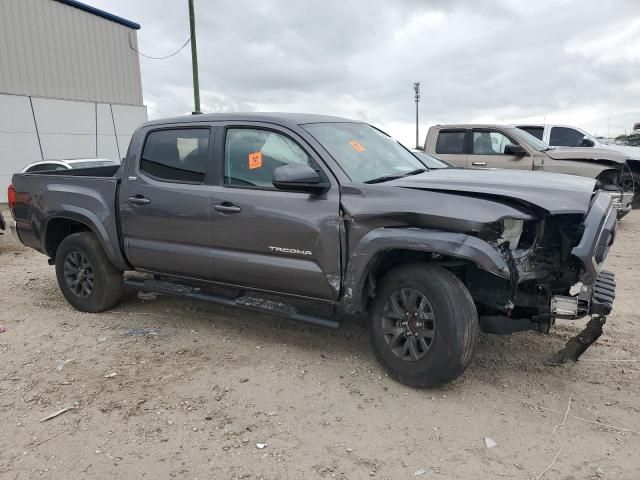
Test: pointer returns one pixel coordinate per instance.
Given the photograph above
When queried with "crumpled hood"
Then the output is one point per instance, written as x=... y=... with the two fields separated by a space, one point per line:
x=586 y=153
x=553 y=192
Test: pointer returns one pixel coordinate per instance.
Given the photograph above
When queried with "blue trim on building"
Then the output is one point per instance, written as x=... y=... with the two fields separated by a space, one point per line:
x=101 y=13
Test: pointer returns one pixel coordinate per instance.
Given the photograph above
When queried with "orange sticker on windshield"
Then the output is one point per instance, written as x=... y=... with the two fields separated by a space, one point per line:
x=356 y=146
x=255 y=160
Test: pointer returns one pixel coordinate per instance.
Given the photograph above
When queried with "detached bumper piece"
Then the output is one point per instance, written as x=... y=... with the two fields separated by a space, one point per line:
x=603 y=294
x=596 y=299
x=622 y=202
x=601 y=303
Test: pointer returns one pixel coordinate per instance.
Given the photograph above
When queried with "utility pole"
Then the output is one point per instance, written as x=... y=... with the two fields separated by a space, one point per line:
x=416 y=89
x=194 y=59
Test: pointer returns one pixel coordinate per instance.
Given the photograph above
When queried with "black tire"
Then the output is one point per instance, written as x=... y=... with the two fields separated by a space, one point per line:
x=454 y=328
x=103 y=283
x=631 y=181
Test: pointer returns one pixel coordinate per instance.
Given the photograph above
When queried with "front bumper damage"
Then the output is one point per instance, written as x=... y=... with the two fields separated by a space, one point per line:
x=595 y=300
x=598 y=291
x=622 y=201
x=595 y=297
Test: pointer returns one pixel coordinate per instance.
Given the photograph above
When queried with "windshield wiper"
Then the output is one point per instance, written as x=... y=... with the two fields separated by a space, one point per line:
x=386 y=178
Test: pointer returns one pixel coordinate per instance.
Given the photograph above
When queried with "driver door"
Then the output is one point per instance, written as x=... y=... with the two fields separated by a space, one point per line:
x=266 y=238
x=488 y=151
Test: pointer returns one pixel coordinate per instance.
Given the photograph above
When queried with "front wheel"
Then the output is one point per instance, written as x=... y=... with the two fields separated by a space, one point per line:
x=423 y=325
x=86 y=277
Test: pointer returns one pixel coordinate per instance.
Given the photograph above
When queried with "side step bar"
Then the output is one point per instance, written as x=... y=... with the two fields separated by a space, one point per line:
x=246 y=302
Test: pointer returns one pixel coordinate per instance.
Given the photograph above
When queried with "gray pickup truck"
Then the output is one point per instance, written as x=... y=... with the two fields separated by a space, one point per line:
x=253 y=209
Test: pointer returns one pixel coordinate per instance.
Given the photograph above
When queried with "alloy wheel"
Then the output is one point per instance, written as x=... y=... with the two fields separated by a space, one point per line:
x=78 y=274
x=408 y=324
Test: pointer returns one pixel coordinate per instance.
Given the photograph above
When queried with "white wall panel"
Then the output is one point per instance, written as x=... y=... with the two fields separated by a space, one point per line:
x=15 y=114
x=64 y=116
x=67 y=146
x=16 y=151
x=107 y=147
x=128 y=118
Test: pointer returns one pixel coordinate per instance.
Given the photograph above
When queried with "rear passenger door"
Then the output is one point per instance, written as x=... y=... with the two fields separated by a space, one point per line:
x=488 y=151
x=165 y=203
x=450 y=146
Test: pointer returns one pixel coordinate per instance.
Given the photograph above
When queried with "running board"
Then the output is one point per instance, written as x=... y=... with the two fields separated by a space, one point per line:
x=246 y=302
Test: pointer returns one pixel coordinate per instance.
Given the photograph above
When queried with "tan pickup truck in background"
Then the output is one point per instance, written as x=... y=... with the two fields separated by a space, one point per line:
x=500 y=146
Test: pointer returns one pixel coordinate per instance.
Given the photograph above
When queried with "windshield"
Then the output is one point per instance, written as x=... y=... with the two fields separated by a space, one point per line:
x=529 y=139
x=431 y=162
x=363 y=152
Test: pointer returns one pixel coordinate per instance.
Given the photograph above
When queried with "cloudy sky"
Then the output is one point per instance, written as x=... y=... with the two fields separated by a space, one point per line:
x=574 y=62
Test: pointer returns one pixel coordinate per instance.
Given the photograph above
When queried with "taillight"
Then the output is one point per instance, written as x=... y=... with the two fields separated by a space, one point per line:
x=11 y=194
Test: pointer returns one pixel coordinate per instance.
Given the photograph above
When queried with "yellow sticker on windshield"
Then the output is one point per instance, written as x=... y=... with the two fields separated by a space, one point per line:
x=356 y=146
x=255 y=160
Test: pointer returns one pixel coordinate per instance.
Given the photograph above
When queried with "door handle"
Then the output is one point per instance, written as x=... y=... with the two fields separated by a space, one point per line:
x=479 y=164
x=227 y=207
x=139 y=200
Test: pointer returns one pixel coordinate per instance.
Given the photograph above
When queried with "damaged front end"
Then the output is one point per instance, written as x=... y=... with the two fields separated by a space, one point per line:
x=546 y=259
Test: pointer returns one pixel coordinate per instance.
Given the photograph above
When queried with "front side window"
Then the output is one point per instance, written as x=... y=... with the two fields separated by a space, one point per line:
x=251 y=156
x=565 y=137
x=363 y=152
x=489 y=143
x=178 y=155
x=450 y=142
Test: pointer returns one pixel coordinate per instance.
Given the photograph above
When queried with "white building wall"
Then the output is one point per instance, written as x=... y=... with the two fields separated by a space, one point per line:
x=18 y=139
x=107 y=147
x=67 y=129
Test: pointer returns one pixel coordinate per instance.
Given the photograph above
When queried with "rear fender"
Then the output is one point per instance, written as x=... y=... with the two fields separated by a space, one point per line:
x=81 y=215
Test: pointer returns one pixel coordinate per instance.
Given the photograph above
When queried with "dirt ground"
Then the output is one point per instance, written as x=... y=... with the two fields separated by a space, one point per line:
x=213 y=392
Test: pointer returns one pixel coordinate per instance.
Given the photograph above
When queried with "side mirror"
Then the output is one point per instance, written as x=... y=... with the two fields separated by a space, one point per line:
x=298 y=177
x=587 y=142
x=515 y=150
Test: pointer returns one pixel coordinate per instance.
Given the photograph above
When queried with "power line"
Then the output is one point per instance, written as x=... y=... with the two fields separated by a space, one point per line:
x=159 y=58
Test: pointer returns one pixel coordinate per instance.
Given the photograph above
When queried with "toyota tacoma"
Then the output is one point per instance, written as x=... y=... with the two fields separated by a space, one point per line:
x=268 y=211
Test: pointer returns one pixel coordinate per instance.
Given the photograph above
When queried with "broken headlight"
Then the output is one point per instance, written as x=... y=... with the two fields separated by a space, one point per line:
x=521 y=235
x=512 y=231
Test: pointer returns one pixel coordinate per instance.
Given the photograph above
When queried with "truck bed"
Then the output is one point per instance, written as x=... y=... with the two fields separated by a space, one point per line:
x=87 y=196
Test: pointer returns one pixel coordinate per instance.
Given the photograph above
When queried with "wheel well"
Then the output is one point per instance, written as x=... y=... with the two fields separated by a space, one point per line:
x=385 y=261
x=634 y=165
x=58 y=229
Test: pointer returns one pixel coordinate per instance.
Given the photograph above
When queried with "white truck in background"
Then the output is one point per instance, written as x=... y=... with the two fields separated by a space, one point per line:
x=568 y=136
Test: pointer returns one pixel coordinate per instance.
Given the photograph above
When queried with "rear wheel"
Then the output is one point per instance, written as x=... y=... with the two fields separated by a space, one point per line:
x=631 y=182
x=423 y=325
x=86 y=277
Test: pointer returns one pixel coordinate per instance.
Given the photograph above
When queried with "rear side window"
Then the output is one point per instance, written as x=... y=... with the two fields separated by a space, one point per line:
x=450 y=141
x=565 y=137
x=178 y=155
x=537 y=132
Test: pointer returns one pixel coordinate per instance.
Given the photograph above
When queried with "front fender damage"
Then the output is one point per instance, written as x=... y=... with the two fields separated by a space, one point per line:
x=456 y=245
